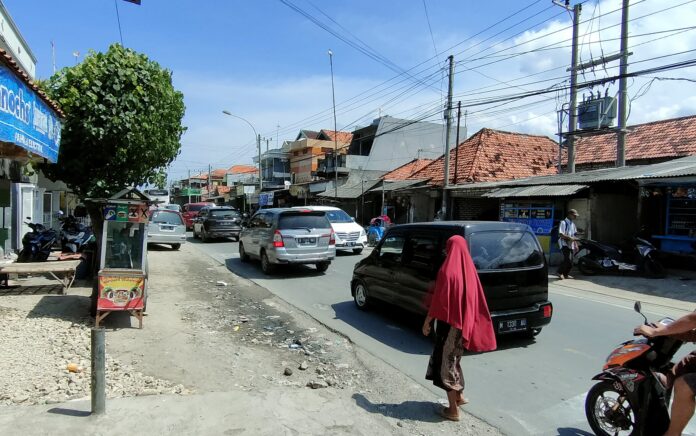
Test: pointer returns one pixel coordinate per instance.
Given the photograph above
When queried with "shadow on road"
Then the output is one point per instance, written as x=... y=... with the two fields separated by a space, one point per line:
x=66 y=307
x=396 y=329
x=573 y=432
x=423 y=411
x=252 y=270
x=69 y=412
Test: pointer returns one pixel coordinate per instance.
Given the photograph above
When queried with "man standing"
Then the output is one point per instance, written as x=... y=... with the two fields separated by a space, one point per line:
x=568 y=243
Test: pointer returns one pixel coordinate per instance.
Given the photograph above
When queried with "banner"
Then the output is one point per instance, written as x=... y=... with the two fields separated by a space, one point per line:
x=25 y=120
x=121 y=293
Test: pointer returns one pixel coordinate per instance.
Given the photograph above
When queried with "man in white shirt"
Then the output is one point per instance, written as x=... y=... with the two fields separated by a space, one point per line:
x=567 y=243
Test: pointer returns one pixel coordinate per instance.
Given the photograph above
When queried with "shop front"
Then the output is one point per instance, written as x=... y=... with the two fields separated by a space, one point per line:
x=670 y=214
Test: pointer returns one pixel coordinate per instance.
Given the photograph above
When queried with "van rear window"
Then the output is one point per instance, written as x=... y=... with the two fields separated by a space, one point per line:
x=303 y=220
x=505 y=250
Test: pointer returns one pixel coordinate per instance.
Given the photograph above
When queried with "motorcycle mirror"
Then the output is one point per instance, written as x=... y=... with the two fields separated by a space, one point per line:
x=637 y=307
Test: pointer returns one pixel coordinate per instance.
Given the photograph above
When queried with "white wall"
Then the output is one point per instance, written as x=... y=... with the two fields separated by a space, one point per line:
x=11 y=40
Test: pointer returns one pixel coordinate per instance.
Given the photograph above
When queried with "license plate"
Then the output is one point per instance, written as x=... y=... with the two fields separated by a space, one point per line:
x=350 y=244
x=513 y=325
x=306 y=241
x=167 y=228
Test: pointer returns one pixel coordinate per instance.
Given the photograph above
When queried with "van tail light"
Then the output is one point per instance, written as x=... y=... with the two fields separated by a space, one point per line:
x=278 y=239
x=548 y=310
x=332 y=238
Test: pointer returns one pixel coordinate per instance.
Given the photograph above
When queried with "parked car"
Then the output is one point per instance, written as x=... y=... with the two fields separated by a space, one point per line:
x=509 y=260
x=217 y=222
x=288 y=236
x=190 y=212
x=350 y=236
x=166 y=227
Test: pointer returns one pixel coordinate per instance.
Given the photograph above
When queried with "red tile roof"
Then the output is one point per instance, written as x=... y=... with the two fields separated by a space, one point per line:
x=407 y=170
x=658 y=139
x=219 y=173
x=242 y=169
x=223 y=189
x=201 y=176
x=344 y=137
x=491 y=155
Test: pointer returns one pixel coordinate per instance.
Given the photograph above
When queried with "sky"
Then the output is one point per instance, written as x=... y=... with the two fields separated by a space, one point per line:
x=267 y=61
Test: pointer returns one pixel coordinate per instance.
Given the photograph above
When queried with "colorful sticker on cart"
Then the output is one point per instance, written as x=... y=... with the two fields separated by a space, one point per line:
x=121 y=293
x=122 y=213
x=110 y=213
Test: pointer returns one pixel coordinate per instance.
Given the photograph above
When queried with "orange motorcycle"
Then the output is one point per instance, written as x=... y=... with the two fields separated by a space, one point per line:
x=630 y=399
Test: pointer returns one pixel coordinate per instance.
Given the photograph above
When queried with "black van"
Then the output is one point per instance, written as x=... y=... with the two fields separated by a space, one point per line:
x=509 y=260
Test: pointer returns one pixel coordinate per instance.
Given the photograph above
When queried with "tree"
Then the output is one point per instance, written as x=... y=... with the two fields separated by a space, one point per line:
x=122 y=122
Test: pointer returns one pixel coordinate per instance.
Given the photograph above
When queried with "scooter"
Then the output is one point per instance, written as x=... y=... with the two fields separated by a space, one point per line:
x=74 y=236
x=629 y=399
x=640 y=256
x=36 y=244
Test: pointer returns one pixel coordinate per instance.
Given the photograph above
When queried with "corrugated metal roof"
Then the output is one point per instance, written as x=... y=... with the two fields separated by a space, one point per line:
x=536 y=191
x=395 y=185
x=685 y=166
x=358 y=183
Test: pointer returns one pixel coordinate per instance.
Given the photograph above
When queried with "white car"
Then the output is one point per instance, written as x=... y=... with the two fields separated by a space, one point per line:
x=350 y=236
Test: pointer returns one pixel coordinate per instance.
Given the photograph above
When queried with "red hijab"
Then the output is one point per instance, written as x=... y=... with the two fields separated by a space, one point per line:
x=458 y=299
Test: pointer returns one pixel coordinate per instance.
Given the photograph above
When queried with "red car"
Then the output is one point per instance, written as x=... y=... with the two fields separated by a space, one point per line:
x=190 y=212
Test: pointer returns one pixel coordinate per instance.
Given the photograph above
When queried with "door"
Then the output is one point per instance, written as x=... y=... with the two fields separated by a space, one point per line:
x=421 y=261
x=380 y=274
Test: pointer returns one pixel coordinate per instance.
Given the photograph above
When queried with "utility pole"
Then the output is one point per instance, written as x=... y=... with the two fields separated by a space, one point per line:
x=258 y=145
x=448 y=124
x=456 y=146
x=623 y=91
x=189 y=186
x=333 y=96
x=210 y=179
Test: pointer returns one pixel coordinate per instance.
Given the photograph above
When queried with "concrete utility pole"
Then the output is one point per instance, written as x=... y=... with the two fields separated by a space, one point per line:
x=258 y=145
x=448 y=124
x=456 y=146
x=623 y=91
x=333 y=95
x=210 y=180
x=189 y=186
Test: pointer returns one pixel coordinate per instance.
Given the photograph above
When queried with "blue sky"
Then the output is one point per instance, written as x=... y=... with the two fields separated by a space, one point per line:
x=269 y=64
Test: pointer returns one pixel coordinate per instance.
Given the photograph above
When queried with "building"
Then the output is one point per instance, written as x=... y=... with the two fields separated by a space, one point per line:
x=305 y=152
x=13 y=43
x=275 y=167
x=647 y=143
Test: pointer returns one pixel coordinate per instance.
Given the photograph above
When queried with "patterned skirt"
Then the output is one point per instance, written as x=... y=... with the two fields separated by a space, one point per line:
x=444 y=368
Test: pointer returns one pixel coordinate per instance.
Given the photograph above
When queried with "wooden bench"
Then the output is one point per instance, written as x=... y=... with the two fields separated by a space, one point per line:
x=63 y=271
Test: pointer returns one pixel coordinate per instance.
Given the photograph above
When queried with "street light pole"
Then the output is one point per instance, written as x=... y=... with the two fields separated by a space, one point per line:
x=258 y=143
x=333 y=95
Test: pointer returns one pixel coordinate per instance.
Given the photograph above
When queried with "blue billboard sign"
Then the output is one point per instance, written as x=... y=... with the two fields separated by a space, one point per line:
x=25 y=119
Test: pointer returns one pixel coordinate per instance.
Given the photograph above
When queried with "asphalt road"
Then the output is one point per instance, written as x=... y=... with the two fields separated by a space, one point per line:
x=534 y=387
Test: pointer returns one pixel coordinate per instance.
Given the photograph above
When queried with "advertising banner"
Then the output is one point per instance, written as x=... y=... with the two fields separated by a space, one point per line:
x=121 y=292
x=25 y=120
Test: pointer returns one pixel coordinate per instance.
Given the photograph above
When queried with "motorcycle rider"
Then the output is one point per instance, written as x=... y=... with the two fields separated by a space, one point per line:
x=683 y=375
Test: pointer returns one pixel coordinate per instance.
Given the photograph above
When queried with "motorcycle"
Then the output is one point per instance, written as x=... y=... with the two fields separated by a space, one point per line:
x=638 y=256
x=74 y=235
x=376 y=229
x=36 y=244
x=629 y=397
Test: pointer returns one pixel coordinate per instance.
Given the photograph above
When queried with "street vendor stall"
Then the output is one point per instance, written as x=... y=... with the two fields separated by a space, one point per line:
x=123 y=271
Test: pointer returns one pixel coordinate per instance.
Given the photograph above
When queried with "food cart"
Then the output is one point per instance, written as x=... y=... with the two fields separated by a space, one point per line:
x=123 y=270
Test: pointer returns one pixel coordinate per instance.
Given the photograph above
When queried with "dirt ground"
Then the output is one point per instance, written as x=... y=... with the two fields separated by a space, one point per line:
x=210 y=331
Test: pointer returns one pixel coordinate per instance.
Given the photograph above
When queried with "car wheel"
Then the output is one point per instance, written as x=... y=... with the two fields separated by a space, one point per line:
x=243 y=256
x=361 y=296
x=357 y=250
x=266 y=266
x=176 y=246
x=322 y=266
x=371 y=240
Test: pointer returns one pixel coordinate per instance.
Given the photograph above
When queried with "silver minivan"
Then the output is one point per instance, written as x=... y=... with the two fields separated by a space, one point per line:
x=288 y=236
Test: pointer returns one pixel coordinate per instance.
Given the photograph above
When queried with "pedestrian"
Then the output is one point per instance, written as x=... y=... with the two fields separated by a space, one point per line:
x=458 y=304
x=568 y=243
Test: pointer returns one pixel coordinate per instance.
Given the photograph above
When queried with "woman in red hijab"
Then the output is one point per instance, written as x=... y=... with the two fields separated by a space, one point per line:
x=458 y=304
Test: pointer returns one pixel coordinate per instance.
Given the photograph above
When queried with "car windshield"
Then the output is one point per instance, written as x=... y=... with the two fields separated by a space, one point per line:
x=505 y=250
x=166 y=217
x=174 y=207
x=338 y=216
x=224 y=214
x=303 y=220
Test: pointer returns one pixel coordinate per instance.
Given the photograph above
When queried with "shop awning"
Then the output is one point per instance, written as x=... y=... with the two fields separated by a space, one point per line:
x=397 y=185
x=536 y=191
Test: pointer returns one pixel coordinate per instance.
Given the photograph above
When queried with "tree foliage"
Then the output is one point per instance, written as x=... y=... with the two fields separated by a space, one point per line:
x=122 y=125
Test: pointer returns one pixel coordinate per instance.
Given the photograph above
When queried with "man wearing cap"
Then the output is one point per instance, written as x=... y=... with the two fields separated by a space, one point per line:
x=568 y=243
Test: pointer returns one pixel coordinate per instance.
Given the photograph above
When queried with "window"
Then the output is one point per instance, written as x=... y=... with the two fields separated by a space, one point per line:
x=303 y=220
x=165 y=217
x=505 y=250
x=392 y=248
x=224 y=214
x=124 y=245
x=338 y=216
x=421 y=251
x=257 y=221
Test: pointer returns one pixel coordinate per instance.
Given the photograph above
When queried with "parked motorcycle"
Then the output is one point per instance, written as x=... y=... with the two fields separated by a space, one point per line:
x=36 y=244
x=629 y=399
x=639 y=256
x=74 y=235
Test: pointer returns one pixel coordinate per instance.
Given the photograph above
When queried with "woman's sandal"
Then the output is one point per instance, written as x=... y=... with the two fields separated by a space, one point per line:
x=445 y=414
